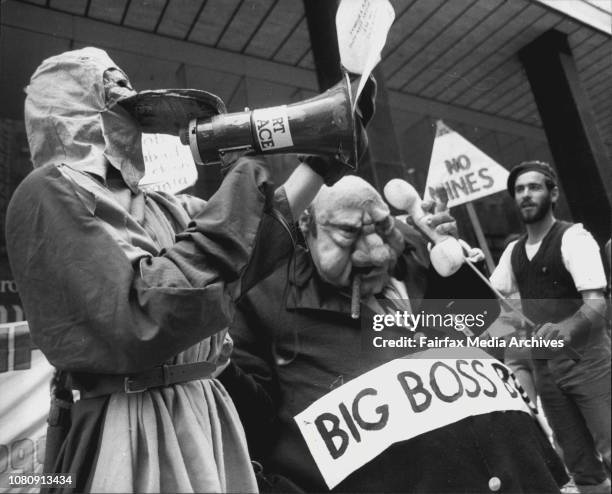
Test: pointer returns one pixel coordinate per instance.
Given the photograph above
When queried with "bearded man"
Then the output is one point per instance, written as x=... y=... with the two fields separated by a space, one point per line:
x=556 y=267
x=295 y=342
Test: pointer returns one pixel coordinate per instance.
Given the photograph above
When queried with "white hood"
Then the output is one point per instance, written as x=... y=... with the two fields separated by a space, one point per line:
x=69 y=120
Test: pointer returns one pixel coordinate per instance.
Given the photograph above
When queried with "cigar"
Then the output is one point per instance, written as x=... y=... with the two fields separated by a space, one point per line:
x=355 y=297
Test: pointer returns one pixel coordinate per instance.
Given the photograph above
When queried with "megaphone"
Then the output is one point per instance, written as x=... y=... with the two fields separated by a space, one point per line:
x=324 y=125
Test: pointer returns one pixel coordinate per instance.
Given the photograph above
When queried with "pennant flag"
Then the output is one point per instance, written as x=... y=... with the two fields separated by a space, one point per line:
x=462 y=169
x=362 y=27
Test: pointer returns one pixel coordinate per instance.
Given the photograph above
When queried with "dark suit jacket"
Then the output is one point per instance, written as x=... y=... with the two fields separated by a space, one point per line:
x=295 y=341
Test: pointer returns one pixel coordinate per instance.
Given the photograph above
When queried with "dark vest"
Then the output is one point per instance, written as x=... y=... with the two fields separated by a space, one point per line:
x=548 y=292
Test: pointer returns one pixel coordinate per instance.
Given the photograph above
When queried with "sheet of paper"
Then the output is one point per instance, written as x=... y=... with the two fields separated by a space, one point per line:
x=362 y=27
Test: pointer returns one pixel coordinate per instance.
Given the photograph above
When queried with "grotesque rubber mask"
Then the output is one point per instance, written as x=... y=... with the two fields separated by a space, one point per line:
x=350 y=232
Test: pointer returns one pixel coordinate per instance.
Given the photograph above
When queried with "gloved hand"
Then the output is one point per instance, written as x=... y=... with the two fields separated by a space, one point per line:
x=438 y=218
x=330 y=170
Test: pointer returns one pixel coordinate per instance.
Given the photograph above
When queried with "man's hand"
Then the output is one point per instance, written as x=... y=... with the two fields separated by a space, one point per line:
x=223 y=359
x=551 y=331
x=443 y=224
x=573 y=331
x=473 y=254
x=438 y=217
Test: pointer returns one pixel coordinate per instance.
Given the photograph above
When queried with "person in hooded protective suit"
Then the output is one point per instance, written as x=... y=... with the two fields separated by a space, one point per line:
x=132 y=292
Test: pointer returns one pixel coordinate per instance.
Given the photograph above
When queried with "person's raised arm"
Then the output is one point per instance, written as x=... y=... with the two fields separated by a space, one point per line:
x=301 y=187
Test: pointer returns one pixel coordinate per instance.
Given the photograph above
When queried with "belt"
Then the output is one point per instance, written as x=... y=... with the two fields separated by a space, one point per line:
x=162 y=376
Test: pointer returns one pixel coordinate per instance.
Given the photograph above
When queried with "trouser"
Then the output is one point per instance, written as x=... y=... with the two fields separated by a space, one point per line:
x=576 y=400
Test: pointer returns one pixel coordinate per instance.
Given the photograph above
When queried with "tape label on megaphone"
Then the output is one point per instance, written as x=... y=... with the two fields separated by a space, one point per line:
x=272 y=128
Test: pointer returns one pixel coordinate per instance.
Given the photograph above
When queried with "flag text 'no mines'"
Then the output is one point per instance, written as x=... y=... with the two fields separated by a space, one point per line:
x=462 y=169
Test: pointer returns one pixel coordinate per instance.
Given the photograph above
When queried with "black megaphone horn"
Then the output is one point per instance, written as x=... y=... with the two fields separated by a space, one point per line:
x=324 y=125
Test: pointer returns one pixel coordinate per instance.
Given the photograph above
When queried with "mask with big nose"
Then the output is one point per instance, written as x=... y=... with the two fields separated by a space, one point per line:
x=349 y=231
x=373 y=258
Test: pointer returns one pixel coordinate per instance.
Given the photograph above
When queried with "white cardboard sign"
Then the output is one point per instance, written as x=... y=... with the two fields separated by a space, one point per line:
x=462 y=169
x=25 y=376
x=169 y=166
x=400 y=400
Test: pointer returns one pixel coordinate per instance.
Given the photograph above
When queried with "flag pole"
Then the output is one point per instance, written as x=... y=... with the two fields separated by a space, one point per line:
x=482 y=242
